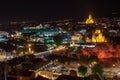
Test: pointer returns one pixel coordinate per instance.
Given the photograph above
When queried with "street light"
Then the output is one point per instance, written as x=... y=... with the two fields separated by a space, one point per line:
x=29 y=48
x=29 y=45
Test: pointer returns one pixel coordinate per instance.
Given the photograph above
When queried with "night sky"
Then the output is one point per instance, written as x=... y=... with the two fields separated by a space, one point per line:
x=56 y=9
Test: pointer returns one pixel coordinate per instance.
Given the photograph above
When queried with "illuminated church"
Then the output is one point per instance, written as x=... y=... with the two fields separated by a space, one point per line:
x=89 y=20
x=98 y=36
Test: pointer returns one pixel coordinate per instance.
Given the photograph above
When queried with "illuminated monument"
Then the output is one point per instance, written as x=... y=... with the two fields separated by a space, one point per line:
x=89 y=20
x=98 y=36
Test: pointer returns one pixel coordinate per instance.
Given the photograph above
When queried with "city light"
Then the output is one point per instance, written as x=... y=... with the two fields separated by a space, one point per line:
x=29 y=49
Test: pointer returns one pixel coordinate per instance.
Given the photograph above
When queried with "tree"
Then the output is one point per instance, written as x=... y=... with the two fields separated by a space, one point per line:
x=57 y=39
x=97 y=69
x=82 y=70
x=73 y=73
x=93 y=59
x=84 y=59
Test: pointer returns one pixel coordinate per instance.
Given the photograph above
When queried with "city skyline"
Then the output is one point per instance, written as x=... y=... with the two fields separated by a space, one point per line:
x=48 y=10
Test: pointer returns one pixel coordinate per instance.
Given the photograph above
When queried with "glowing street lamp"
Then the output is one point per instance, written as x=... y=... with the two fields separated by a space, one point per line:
x=29 y=45
x=29 y=48
x=32 y=51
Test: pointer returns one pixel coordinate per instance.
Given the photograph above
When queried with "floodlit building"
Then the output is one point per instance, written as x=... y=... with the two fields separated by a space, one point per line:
x=98 y=36
x=4 y=33
x=3 y=36
x=89 y=20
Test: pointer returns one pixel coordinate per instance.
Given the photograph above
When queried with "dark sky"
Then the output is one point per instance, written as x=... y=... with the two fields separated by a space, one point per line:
x=55 y=9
